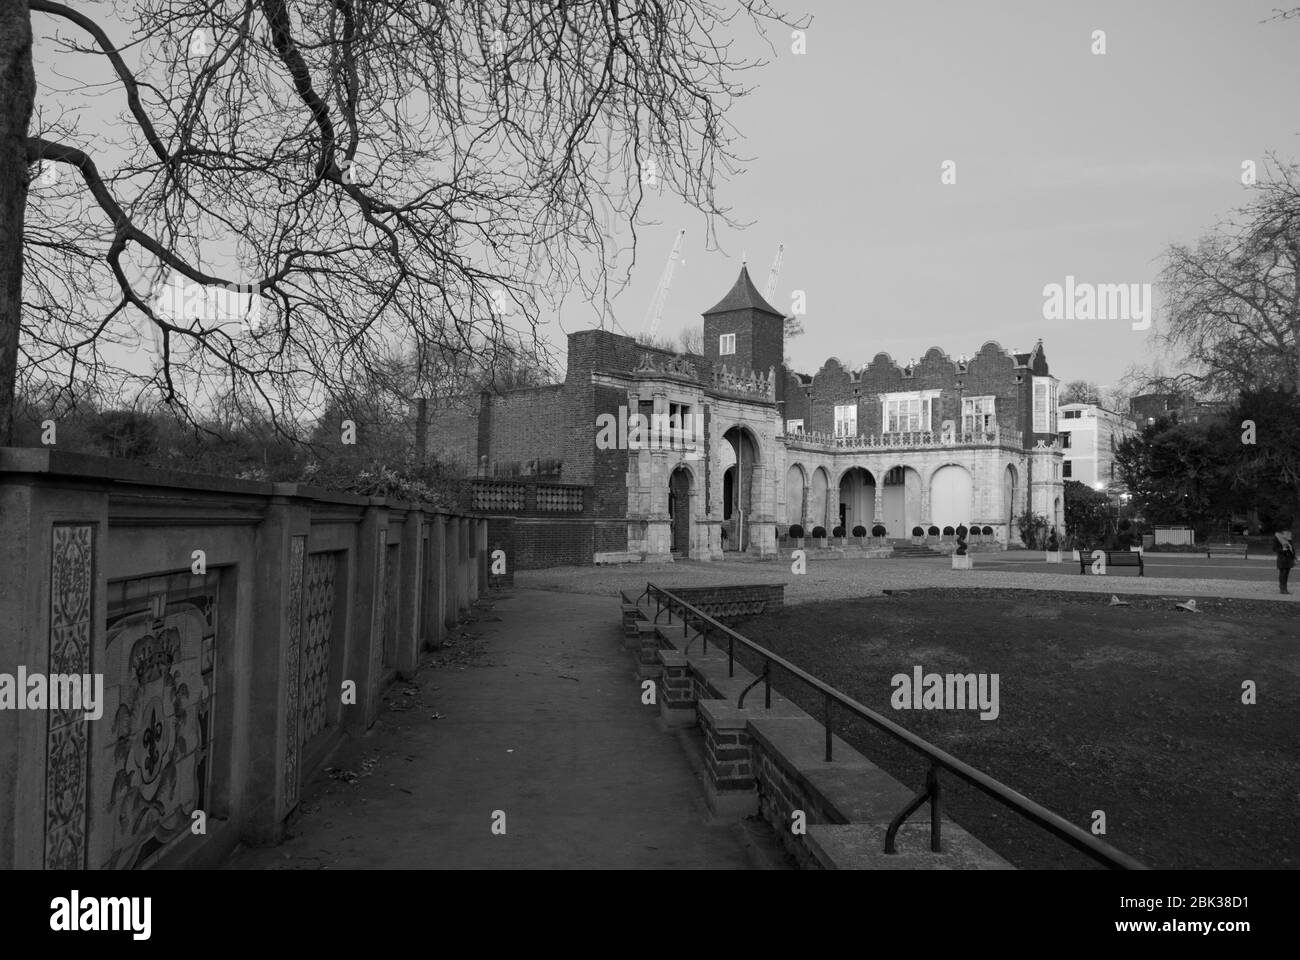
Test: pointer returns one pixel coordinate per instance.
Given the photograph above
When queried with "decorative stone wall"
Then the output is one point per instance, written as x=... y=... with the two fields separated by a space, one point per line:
x=219 y=616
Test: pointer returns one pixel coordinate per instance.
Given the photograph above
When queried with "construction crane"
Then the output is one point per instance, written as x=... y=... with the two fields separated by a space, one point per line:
x=771 y=275
x=655 y=311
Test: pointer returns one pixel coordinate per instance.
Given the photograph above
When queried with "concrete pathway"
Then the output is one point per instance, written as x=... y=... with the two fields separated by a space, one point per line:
x=541 y=719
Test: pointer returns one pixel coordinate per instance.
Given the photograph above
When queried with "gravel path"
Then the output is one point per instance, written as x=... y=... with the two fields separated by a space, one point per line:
x=839 y=579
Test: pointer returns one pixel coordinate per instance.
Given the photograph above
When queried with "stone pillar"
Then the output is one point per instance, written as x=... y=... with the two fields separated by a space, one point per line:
x=484 y=555
x=273 y=774
x=450 y=553
x=878 y=510
x=730 y=786
x=676 y=690
x=409 y=595
x=462 y=566
x=53 y=609
x=648 y=665
x=363 y=658
x=473 y=560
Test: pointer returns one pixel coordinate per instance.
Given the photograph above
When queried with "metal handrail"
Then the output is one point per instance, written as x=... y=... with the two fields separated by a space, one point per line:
x=1036 y=813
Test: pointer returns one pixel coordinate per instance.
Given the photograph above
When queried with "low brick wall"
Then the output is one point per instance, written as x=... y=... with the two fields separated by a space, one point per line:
x=738 y=600
x=770 y=760
x=535 y=543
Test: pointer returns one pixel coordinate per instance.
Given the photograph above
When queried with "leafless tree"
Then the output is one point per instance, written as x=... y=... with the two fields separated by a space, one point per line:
x=340 y=179
x=1233 y=299
x=1080 y=391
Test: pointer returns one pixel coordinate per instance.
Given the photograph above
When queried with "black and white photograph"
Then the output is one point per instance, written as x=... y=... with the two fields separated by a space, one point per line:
x=746 y=437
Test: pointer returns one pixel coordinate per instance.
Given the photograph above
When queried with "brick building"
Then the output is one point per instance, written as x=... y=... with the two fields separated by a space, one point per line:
x=934 y=445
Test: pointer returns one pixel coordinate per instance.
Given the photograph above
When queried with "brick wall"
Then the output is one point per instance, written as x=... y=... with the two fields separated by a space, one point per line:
x=991 y=372
x=534 y=543
x=779 y=795
x=760 y=340
x=452 y=435
x=728 y=757
x=739 y=600
x=528 y=424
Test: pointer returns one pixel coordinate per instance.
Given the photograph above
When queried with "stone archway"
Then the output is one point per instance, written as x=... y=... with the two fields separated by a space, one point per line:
x=1010 y=489
x=900 y=501
x=857 y=500
x=679 y=511
x=738 y=487
x=796 y=483
x=950 y=496
x=818 y=489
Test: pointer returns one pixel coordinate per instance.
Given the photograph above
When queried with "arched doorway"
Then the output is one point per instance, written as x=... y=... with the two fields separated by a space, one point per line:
x=1009 y=490
x=817 y=491
x=901 y=501
x=857 y=500
x=679 y=511
x=950 y=496
x=740 y=457
x=795 y=482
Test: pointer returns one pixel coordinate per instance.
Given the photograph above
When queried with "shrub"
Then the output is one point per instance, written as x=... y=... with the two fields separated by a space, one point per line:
x=859 y=531
x=879 y=530
x=962 y=530
x=918 y=531
x=948 y=531
x=819 y=533
x=934 y=531
x=796 y=531
x=837 y=532
x=988 y=531
x=1033 y=530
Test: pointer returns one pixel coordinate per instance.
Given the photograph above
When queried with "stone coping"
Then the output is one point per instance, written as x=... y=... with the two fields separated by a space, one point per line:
x=46 y=462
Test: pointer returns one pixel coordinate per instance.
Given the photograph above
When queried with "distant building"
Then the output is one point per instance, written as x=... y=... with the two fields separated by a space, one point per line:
x=749 y=447
x=1150 y=407
x=1089 y=435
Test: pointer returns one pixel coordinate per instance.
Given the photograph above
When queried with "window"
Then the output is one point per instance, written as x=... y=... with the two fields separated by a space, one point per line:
x=908 y=412
x=1066 y=469
x=1044 y=405
x=726 y=344
x=682 y=429
x=794 y=426
x=1071 y=414
x=977 y=415
x=846 y=420
x=1065 y=439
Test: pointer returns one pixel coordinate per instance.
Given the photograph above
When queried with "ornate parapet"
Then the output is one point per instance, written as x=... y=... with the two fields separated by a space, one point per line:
x=750 y=386
x=911 y=440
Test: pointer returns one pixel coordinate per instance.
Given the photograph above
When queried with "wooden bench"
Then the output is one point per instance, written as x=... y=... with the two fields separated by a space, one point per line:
x=1226 y=550
x=1114 y=558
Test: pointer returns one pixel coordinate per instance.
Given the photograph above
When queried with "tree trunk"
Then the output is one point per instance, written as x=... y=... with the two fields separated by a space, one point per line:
x=17 y=95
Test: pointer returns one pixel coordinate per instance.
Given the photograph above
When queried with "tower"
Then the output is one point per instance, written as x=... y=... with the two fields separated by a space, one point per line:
x=744 y=331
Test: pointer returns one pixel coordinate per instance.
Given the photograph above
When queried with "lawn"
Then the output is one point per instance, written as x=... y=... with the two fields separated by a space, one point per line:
x=1136 y=711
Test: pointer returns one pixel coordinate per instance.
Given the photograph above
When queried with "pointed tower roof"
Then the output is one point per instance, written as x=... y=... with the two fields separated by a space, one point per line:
x=743 y=296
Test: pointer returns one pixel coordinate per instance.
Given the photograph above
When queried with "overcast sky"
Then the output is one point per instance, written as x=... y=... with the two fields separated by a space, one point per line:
x=1068 y=163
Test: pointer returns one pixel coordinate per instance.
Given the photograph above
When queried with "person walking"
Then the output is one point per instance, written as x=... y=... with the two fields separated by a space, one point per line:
x=1285 y=550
